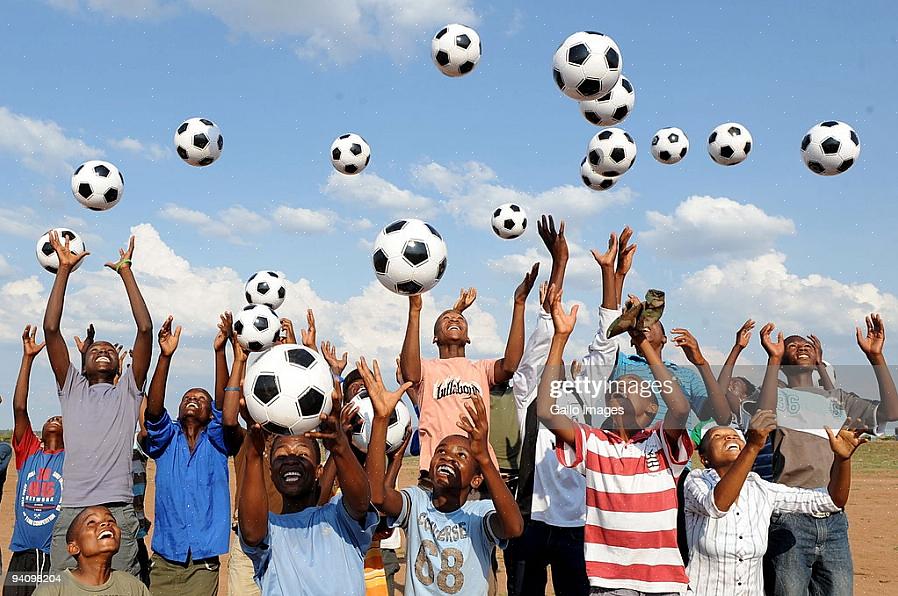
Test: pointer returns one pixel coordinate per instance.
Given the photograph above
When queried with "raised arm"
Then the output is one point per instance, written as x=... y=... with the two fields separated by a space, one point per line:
x=143 y=343
x=825 y=381
x=329 y=473
x=844 y=444
x=30 y=349
x=677 y=404
x=727 y=490
x=556 y=244
x=743 y=337
x=507 y=522
x=775 y=351
x=871 y=345
x=219 y=344
x=252 y=510
x=561 y=426
x=514 y=348
x=56 y=348
x=606 y=261
x=410 y=356
x=625 y=254
x=233 y=393
x=720 y=408
x=384 y=495
x=168 y=343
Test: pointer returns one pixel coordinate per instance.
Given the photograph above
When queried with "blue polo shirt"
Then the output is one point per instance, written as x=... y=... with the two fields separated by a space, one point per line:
x=690 y=382
x=193 y=502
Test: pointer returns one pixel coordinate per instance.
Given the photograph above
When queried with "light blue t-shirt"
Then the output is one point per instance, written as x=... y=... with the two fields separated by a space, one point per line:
x=447 y=553
x=314 y=552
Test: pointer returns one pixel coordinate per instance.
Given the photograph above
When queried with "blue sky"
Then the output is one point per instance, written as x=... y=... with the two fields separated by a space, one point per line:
x=114 y=78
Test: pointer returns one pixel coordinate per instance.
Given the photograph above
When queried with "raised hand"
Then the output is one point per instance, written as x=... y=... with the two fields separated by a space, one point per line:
x=685 y=340
x=329 y=351
x=625 y=251
x=30 y=347
x=88 y=339
x=774 y=349
x=168 y=341
x=524 y=288
x=288 y=335
x=576 y=368
x=554 y=240
x=743 y=335
x=240 y=355
x=330 y=431
x=606 y=259
x=309 y=337
x=123 y=353
x=347 y=417
x=818 y=349
x=67 y=259
x=225 y=331
x=848 y=439
x=415 y=302
x=543 y=292
x=124 y=260
x=465 y=299
x=564 y=322
x=759 y=428
x=871 y=343
x=383 y=401
x=477 y=427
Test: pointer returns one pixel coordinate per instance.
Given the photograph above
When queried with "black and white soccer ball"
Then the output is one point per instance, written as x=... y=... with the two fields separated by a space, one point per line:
x=46 y=256
x=350 y=153
x=611 y=108
x=593 y=180
x=670 y=145
x=830 y=148
x=409 y=257
x=198 y=141
x=257 y=327
x=288 y=388
x=509 y=221
x=611 y=152
x=397 y=425
x=455 y=50
x=729 y=144
x=587 y=65
x=98 y=185
x=266 y=287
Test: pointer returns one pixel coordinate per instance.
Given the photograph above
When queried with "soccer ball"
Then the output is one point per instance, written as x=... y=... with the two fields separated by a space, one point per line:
x=46 y=256
x=612 y=107
x=830 y=148
x=455 y=50
x=397 y=425
x=611 y=152
x=409 y=257
x=288 y=388
x=266 y=287
x=593 y=180
x=98 y=185
x=257 y=327
x=509 y=221
x=669 y=145
x=729 y=144
x=350 y=153
x=198 y=141
x=587 y=65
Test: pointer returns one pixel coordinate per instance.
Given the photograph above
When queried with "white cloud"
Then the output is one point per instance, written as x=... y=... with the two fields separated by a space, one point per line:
x=372 y=191
x=5 y=267
x=299 y=219
x=41 y=145
x=702 y=226
x=230 y=224
x=28 y=223
x=131 y=9
x=150 y=151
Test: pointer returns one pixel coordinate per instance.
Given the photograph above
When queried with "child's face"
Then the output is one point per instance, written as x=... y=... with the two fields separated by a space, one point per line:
x=451 y=328
x=97 y=533
x=453 y=467
x=101 y=359
x=721 y=446
x=295 y=465
x=737 y=389
x=632 y=395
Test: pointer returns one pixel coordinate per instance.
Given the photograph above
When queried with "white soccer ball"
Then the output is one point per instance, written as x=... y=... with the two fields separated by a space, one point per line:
x=611 y=152
x=593 y=180
x=46 y=256
x=350 y=153
x=397 y=426
x=98 y=185
x=729 y=144
x=587 y=65
x=288 y=388
x=409 y=257
x=266 y=287
x=509 y=221
x=611 y=108
x=669 y=145
x=199 y=141
x=830 y=148
x=455 y=50
x=257 y=327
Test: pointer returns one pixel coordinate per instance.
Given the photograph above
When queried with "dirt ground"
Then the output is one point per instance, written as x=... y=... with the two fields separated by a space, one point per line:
x=872 y=510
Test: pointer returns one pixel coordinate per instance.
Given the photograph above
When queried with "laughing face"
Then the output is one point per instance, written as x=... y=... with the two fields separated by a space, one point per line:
x=453 y=467
x=101 y=360
x=295 y=465
x=197 y=404
x=721 y=446
x=94 y=531
x=634 y=401
x=451 y=328
x=799 y=352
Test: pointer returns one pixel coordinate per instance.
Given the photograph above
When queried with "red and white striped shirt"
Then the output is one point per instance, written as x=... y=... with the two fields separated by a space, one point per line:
x=631 y=507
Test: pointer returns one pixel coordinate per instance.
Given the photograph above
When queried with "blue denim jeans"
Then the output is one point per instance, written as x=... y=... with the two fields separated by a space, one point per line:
x=809 y=555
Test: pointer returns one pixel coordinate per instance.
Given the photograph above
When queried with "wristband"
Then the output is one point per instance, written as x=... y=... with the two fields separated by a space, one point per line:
x=121 y=264
x=338 y=378
x=233 y=388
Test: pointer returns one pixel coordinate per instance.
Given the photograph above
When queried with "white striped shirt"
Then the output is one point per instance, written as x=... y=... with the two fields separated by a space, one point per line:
x=726 y=547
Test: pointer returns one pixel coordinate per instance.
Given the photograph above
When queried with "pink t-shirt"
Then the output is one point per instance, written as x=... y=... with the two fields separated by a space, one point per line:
x=446 y=383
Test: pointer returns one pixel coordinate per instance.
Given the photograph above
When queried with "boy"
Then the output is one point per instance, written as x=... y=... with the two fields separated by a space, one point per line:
x=92 y=539
x=100 y=415
x=631 y=471
x=450 y=538
x=39 y=487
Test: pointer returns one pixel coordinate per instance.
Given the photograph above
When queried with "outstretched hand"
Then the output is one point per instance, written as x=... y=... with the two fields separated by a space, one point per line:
x=774 y=349
x=225 y=331
x=383 y=401
x=563 y=322
x=524 y=288
x=625 y=252
x=743 y=335
x=309 y=335
x=329 y=351
x=125 y=255
x=606 y=259
x=288 y=335
x=685 y=340
x=845 y=442
x=477 y=427
x=168 y=341
x=871 y=344
x=88 y=339
x=554 y=240
x=67 y=259
x=466 y=298
x=330 y=431
x=759 y=428
x=30 y=347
